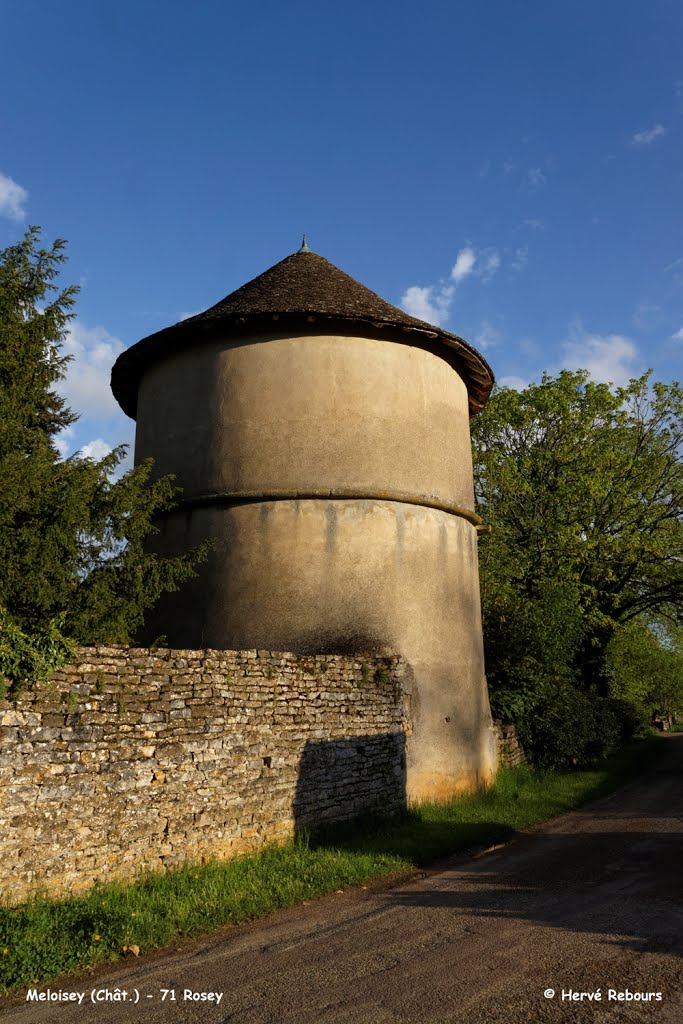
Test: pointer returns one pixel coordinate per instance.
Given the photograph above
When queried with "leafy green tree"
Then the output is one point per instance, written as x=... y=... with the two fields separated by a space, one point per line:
x=584 y=488
x=645 y=667
x=72 y=538
x=583 y=485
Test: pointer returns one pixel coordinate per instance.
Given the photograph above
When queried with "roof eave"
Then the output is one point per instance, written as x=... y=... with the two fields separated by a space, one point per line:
x=131 y=364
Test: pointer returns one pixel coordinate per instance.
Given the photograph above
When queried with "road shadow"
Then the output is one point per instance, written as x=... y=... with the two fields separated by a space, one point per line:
x=626 y=886
x=409 y=836
x=611 y=868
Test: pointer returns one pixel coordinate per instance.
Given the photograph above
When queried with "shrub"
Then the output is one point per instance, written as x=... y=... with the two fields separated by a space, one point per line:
x=25 y=658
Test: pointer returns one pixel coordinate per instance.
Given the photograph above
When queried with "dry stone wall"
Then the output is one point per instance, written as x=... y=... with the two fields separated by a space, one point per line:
x=134 y=759
x=510 y=750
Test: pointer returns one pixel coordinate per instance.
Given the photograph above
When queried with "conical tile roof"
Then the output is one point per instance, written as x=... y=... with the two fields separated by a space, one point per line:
x=303 y=287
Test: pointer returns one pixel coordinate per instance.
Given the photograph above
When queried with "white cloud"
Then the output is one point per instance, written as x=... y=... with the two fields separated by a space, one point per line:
x=534 y=224
x=648 y=136
x=535 y=178
x=186 y=315
x=86 y=385
x=468 y=261
x=509 y=166
x=13 y=198
x=464 y=264
x=487 y=336
x=518 y=383
x=96 y=449
x=67 y=444
x=520 y=259
x=609 y=358
x=678 y=336
x=431 y=304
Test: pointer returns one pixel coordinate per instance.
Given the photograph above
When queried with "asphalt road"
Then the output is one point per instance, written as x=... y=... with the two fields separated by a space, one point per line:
x=589 y=903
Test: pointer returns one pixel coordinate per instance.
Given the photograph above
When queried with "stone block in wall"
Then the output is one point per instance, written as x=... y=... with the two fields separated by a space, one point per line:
x=509 y=747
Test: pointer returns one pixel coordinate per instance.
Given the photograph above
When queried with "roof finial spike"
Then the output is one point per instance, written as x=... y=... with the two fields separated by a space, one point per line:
x=304 y=246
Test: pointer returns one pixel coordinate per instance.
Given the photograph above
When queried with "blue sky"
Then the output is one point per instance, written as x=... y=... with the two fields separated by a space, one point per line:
x=512 y=171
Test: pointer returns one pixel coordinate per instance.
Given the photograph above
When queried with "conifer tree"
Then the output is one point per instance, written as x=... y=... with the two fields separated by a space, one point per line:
x=73 y=563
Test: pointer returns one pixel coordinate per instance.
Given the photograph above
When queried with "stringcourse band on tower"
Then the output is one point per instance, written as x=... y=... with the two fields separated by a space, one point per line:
x=321 y=439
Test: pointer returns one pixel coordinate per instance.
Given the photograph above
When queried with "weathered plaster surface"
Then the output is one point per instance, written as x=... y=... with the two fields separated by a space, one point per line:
x=290 y=412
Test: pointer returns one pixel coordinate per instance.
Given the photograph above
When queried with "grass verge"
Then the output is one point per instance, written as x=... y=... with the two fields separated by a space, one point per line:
x=42 y=939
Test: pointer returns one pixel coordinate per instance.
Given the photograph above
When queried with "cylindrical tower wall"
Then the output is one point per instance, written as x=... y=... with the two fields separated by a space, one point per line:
x=381 y=564
x=273 y=414
x=335 y=575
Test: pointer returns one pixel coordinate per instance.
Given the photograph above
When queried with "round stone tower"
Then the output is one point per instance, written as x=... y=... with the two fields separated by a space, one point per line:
x=321 y=438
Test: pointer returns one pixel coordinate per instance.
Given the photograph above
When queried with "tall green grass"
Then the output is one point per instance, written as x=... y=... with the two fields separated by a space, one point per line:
x=42 y=939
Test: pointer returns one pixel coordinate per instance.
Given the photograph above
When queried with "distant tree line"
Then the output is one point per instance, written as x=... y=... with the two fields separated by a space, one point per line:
x=582 y=574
